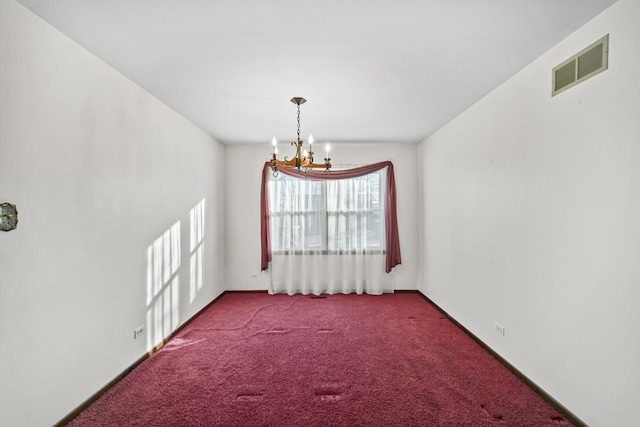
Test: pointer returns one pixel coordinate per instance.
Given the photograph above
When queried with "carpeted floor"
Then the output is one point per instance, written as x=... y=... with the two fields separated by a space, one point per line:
x=345 y=360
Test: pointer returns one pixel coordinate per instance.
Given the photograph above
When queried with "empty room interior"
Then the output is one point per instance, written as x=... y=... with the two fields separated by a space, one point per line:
x=134 y=136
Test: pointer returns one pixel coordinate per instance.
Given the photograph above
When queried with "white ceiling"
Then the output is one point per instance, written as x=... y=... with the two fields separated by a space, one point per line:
x=374 y=70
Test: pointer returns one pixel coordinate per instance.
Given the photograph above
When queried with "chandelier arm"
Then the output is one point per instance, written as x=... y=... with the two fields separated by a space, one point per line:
x=284 y=163
x=280 y=164
x=319 y=165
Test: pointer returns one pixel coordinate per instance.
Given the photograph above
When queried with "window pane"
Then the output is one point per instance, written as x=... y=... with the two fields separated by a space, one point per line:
x=297 y=214
x=355 y=212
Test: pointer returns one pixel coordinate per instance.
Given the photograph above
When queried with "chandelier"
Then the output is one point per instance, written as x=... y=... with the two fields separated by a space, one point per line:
x=303 y=159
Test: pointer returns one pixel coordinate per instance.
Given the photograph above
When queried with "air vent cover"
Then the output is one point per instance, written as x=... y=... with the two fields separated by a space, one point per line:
x=585 y=64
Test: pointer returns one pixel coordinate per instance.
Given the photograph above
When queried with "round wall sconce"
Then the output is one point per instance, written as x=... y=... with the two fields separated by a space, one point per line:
x=8 y=217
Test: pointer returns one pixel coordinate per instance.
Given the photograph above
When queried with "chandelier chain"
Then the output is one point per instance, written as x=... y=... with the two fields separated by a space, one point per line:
x=298 y=123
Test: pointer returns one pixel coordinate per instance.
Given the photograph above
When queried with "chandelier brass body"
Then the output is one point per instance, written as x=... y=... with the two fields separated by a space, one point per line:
x=301 y=161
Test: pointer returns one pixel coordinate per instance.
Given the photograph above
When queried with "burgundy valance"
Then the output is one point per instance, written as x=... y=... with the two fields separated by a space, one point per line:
x=391 y=222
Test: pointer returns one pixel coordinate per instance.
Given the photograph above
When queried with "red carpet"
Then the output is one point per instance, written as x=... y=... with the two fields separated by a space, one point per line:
x=344 y=360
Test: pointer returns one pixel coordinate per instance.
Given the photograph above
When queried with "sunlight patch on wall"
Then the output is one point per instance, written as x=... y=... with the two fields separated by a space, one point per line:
x=163 y=286
x=196 y=217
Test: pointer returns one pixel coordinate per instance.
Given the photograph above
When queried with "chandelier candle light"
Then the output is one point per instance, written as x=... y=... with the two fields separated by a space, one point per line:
x=303 y=159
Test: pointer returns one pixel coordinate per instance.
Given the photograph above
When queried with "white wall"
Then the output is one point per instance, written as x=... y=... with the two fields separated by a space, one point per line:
x=99 y=171
x=531 y=208
x=243 y=207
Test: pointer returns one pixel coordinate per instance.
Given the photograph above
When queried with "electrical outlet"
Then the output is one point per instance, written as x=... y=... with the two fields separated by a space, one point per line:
x=138 y=331
x=499 y=328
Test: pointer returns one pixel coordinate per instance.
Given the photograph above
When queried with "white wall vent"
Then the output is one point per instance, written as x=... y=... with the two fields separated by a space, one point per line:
x=581 y=66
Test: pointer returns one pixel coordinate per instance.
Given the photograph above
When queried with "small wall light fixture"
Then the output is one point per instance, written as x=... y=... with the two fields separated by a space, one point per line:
x=8 y=217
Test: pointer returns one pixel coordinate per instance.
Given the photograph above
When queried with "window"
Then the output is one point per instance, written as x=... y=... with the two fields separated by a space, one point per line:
x=327 y=216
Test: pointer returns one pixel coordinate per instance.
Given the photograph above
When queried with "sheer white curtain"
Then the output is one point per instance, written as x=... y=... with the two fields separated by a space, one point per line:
x=328 y=236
